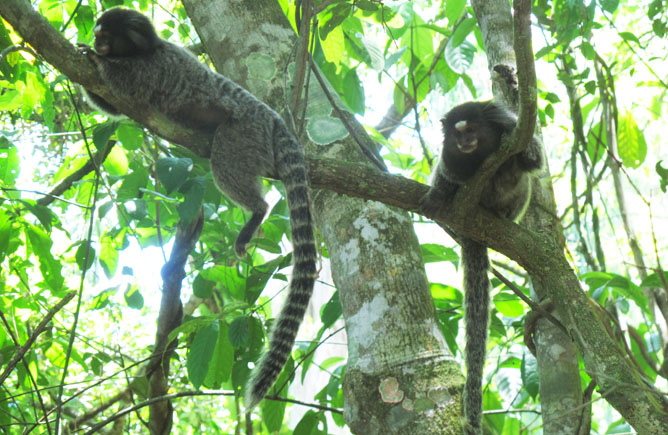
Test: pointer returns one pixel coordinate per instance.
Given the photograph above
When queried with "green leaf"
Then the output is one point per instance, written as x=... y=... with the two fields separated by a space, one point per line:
x=420 y=41
x=51 y=269
x=108 y=256
x=663 y=174
x=654 y=8
x=173 y=172
x=130 y=135
x=655 y=280
x=136 y=209
x=453 y=10
x=308 y=425
x=103 y=132
x=133 y=297
x=620 y=285
x=432 y=253
x=392 y=59
x=201 y=353
x=659 y=28
x=376 y=59
x=508 y=304
x=273 y=412
x=9 y=162
x=221 y=364
x=461 y=32
x=445 y=292
x=365 y=5
x=460 y=58
x=102 y=299
x=239 y=332
x=529 y=374
x=331 y=311
x=116 y=162
x=628 y=36
x=338 y=14
x=132 y=182
x=334 y=45
x=229 y=278
x=10 y=101
x=85 y=249
x=194 y=191
x=631 y=142
x=258 y=277
x=202 y=287
x=7 y=233
x=353 y=92
x=609 y=5
x=46 y=217
x=597 y=142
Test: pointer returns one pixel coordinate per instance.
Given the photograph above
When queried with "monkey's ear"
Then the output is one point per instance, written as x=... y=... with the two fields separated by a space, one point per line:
x=141 y=33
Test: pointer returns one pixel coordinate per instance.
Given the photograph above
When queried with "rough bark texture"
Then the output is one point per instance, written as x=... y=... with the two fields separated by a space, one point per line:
x=556 y=356
x=171 y=314
x=376 y=261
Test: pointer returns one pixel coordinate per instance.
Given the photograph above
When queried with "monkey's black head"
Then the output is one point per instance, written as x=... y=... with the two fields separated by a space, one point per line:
x=121 y=32
x=475 y=128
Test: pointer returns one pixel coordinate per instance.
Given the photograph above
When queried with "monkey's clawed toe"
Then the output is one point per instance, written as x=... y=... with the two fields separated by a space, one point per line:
x=84 y=48
x=240 y=249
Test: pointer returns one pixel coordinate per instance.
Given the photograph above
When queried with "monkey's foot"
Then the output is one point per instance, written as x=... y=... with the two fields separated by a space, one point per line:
x=431 y=203
x=240 y=249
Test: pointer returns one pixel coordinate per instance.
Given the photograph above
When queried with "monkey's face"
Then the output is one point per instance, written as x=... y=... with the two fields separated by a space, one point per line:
x=466 y=136
x=102 y=41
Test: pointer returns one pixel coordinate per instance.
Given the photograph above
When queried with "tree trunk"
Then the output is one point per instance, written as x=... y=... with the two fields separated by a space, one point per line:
x=556 y=355
x=395 y=345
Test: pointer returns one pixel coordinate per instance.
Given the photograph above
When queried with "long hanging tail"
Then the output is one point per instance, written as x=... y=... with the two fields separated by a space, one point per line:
x=476 y=303
x=291 y=170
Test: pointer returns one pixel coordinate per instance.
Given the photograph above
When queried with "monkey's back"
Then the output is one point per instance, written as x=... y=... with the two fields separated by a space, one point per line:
x=174 y=82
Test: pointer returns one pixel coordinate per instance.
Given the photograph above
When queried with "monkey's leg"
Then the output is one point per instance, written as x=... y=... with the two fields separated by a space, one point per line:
x=236 y=169
x=532 y=157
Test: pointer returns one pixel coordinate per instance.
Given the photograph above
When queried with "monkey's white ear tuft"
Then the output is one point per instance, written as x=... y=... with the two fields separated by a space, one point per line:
x=461 y=126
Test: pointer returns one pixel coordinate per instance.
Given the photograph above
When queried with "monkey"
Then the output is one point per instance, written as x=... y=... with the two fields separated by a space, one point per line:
x=249 y=140
x=472 y=131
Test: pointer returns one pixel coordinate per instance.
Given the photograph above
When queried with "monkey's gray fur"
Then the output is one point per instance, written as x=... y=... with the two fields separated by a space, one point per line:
x=473 y=131
x=250 y=140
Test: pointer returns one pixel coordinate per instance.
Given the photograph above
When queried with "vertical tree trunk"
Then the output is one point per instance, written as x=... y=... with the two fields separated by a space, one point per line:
x=399 y=368
x=556 y=355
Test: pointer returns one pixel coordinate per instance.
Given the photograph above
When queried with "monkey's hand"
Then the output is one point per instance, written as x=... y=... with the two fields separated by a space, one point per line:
x=89 y=52
x=440 y=194
x=85 y=49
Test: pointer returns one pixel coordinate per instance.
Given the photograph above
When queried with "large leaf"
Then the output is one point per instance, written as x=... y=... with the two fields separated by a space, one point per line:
x=201 y=353
x=173 y=172
x=631 y=142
